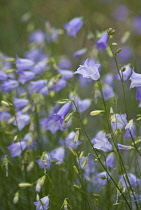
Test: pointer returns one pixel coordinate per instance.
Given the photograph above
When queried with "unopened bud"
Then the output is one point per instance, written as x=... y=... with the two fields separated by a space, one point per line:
x=118 y=50
x=24 y=184
x=81 y=154
x=114 y=44
x=16 y=197
x=72 y=151
x=110 y=31
x=76 y=136
x=77 y=186
x=75 y=169
x=85 y=163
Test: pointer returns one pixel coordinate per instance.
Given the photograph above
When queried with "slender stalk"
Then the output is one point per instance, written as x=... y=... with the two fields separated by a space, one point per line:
x=98 y=156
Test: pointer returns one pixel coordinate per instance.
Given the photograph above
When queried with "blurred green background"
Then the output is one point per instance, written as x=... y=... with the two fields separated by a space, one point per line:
x=97 y=14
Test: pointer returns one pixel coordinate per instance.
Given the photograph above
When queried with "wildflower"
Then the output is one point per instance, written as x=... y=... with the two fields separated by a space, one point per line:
x=89 y=70
x=121 y=13
x=136 y=24
x=9 y=85
x=25 y=76
x=3 y=75
x=44 y=162
x=66 y=74
x=82 y=105
x=37 y=37
x=39 y=67
x=73 y=26
x=124 y=75
x=60 y=115
x=23 y=64
x=17 y=148
x=135 y=80
x=138 y=95
x=39 y=86
x=42 y=204
x=130 y=130
x=4 y=116
x=79 y=53
x=118 y=121
x=124 y=147
x=57 y=84
x=21 y=120
x=110 y=160
x=64 y=63
x=20 y=103
x=101 y=142
x=102 y=42
x=134 y=181
x=100 y=180
x=69 y=142
x=107 y=92
x=57 y=154
x=36 y=55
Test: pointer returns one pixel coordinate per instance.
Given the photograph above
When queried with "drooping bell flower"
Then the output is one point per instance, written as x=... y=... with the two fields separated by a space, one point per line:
x=73 y=26
x=42 y=204
x=17 y=148
x=102 y=42
x=125 y=73
x=61 y=114
x=23 y=64
x=135 y=80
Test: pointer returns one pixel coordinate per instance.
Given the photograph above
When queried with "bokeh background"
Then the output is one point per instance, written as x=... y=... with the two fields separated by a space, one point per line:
x=98 y=15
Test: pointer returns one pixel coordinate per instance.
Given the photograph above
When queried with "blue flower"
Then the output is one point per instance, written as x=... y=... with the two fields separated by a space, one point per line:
x=57 y=154
x=124 y=75
x=130 y=130
x=21 y=120
x=36 y=55
x=44 y=162
x=138 y=95
x=25 y=76
x=73 y=26
x=61 y=114
x=89 y=70
x=42 y=204
x=100 y=180
x=17 y=148
x=118 y=121
x=82 y=105
x=39 y=86
x=107 y=92
x=37 y=37
x=134 y=181
x=4 y=116
x=110 y=160
x=57 y=84
x=102 y=42
x=20 y=103
x=101 y=142
x=136 y=24
x=9 y=85
x=124 y=147
x=39 y=67
x=135 y=80
x=66 y=74
x=70 y=141
x=23 y=64
x=3 y=75
x=79 y=53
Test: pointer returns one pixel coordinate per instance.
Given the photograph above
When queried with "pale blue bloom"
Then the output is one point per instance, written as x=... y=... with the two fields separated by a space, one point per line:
x=42 y=204
x=89 y=70
x=73 y=26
